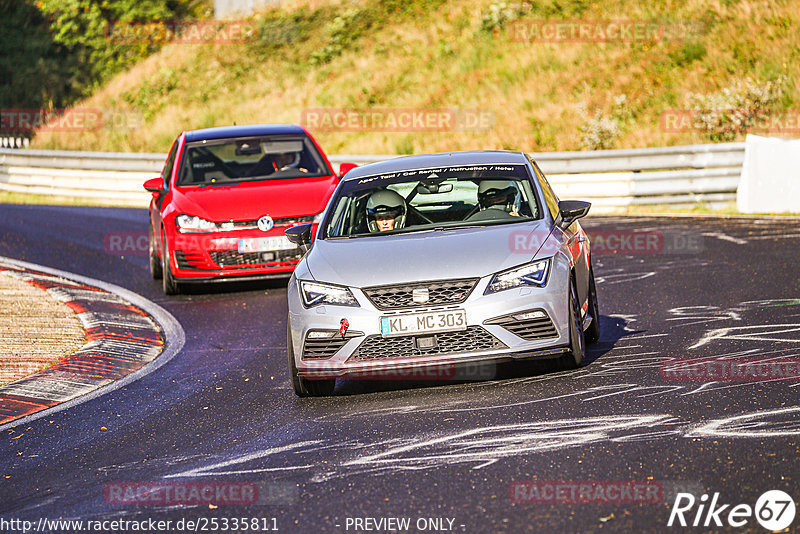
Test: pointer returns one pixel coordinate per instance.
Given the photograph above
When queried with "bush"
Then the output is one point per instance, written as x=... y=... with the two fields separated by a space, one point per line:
x=601 y=131
x=688 y=53
x=499 y=14
x=278 y=28
x=735 y=109
x=344 y=30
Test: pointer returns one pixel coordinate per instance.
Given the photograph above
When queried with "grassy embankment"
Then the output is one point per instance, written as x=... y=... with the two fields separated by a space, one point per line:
x=459 y=54
x=424 y=55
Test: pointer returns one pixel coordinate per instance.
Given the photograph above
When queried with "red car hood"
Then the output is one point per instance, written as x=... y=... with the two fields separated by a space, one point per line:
x=247 y=201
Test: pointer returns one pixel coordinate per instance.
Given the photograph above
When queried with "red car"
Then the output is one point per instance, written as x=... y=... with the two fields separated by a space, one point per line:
x=225 y=197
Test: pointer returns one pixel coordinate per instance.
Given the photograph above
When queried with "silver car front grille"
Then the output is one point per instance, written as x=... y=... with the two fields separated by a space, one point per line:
x=439 y=293
x=473 y=339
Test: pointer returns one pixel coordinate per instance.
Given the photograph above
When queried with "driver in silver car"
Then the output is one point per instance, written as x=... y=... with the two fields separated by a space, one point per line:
x=497 y=199
x=386 y=210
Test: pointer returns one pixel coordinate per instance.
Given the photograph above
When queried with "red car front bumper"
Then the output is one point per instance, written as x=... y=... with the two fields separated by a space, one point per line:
x=199 y=257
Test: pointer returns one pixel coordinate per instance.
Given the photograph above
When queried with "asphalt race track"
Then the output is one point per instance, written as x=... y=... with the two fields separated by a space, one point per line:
x=222 y=410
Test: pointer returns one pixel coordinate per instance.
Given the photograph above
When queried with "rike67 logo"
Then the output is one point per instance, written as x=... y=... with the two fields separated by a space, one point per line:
x=774 y=510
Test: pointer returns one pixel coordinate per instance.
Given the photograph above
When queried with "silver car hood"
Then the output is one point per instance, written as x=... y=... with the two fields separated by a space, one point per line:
x=435 y=255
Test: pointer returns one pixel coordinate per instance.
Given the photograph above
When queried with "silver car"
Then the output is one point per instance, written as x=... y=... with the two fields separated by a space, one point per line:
x=438 y=260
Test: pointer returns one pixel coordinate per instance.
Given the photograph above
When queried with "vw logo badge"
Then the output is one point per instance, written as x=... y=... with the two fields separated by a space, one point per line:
x=265 y=223
x=420 y=295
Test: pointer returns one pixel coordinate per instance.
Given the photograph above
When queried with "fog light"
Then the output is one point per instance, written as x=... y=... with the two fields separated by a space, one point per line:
x=320 y=334
x=538 y=314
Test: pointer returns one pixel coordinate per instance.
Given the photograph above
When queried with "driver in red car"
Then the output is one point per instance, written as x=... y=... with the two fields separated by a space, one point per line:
x=286 y=161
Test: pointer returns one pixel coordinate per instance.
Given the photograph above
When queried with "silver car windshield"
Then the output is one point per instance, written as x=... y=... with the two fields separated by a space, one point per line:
x=432 y=199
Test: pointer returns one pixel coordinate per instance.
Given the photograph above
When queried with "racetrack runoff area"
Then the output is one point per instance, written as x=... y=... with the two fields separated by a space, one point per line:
x=35 y=329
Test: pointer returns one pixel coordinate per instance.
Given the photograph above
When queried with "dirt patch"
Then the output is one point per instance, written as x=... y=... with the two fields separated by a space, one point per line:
x=35 y=330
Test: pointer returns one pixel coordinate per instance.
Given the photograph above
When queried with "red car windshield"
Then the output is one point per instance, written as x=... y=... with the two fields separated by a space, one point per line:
x=228 y=161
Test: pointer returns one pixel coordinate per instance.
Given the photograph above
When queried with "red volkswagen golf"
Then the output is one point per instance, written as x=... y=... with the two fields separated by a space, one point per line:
x=226 y=195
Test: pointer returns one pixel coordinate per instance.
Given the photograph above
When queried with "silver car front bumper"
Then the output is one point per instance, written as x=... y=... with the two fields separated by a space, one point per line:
x=490 y=334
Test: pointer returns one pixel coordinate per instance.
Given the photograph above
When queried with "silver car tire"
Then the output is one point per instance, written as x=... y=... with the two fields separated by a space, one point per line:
x=576 y=356
x=593 y=332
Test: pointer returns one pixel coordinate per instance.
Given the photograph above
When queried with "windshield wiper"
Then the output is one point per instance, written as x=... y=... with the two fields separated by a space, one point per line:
x=458 y=227
x=220 y=184
x=420 y=230
x=434 y=229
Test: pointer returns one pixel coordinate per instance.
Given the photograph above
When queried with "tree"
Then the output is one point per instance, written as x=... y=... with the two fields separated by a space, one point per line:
x=53 y=52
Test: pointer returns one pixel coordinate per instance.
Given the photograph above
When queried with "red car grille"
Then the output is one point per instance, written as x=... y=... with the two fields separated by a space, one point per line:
x=280 y=221
x=232 y=258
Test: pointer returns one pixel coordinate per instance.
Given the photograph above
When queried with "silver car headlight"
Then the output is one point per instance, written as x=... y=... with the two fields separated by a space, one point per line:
x=315 y=294
x=531 y=274
x=191 y=224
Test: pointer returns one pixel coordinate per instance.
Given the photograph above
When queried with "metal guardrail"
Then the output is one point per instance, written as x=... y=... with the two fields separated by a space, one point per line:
x=116 y=177
x=610 y=179
x=683 y=175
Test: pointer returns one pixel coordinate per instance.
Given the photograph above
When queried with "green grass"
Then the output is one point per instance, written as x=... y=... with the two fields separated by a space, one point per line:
x=28 y=198
x=456 y=54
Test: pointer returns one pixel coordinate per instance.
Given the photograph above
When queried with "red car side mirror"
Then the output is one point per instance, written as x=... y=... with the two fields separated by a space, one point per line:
x=154 y=185
x=344 y=168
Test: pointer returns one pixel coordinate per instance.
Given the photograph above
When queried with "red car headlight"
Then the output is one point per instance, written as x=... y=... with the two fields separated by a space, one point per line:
x=191 y=224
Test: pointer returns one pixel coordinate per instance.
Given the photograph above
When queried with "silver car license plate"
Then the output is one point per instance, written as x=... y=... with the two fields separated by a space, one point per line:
x=423 y=323
x=265 y=244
